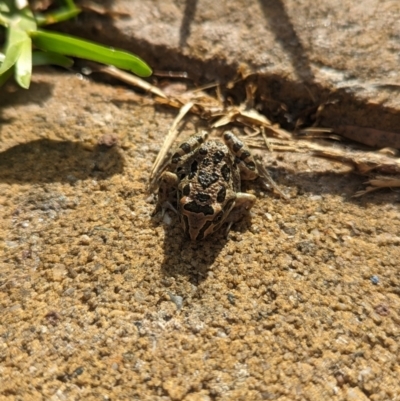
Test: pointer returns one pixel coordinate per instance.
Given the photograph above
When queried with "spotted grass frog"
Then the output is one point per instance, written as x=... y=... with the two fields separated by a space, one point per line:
x=202 y=183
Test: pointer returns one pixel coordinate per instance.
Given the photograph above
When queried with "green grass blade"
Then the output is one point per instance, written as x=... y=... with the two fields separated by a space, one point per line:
x=70 y=4
x=71 y=46
x=49 y=58
x=56 y=16
x=23 y=66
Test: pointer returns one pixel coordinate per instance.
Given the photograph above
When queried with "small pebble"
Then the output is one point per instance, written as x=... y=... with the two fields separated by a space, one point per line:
x=231 y=298
x=71 y=178
x=375 y=280
x=167 y=219
x=177 y=300
x=315 y=233
x=84 y=239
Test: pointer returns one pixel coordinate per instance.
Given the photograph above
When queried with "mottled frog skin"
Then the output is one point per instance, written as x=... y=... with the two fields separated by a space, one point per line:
x=203 y=180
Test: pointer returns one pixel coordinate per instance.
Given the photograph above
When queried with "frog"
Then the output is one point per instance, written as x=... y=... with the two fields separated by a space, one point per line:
x=202 y=183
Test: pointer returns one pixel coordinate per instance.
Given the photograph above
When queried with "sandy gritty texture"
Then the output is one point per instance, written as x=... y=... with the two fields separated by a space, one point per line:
x=99 y=301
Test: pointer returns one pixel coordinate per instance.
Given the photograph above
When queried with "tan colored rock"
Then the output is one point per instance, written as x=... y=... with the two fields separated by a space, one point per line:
x=276 y=312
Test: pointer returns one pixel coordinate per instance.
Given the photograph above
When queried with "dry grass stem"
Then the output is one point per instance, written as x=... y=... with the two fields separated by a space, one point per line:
x=169 y=139
x=378 y=183
x=131 y=80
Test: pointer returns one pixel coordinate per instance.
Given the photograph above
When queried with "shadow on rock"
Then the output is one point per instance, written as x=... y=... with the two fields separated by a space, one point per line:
x=47 y=160
x=184 y=257
x=345 y=185
x=38 y=93
x=188 y=17
x=194 y=258
x=280 y=23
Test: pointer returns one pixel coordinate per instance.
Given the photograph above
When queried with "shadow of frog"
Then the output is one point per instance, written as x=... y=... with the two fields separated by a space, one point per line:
x=195 y=259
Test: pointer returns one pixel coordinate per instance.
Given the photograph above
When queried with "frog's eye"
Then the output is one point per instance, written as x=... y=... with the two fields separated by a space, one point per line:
x=218 y=217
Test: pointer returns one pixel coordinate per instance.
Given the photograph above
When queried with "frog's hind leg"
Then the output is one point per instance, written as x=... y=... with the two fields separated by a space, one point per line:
x=243 y=203
x=243 y=157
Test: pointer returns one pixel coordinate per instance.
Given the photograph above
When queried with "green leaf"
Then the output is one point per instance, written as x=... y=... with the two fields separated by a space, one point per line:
x=24 y=20
x=5 y=21
x=71 y=46
x=4 y=77
x=47 y=58
x=4 y=7
x=15 y=42
x=23 y=66
x=5 y=10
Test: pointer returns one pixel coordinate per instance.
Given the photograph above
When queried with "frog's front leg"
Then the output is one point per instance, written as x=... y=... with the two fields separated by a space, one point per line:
x=186 y=148
x=243 y=157
x=243 y=203
x=168 y=185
